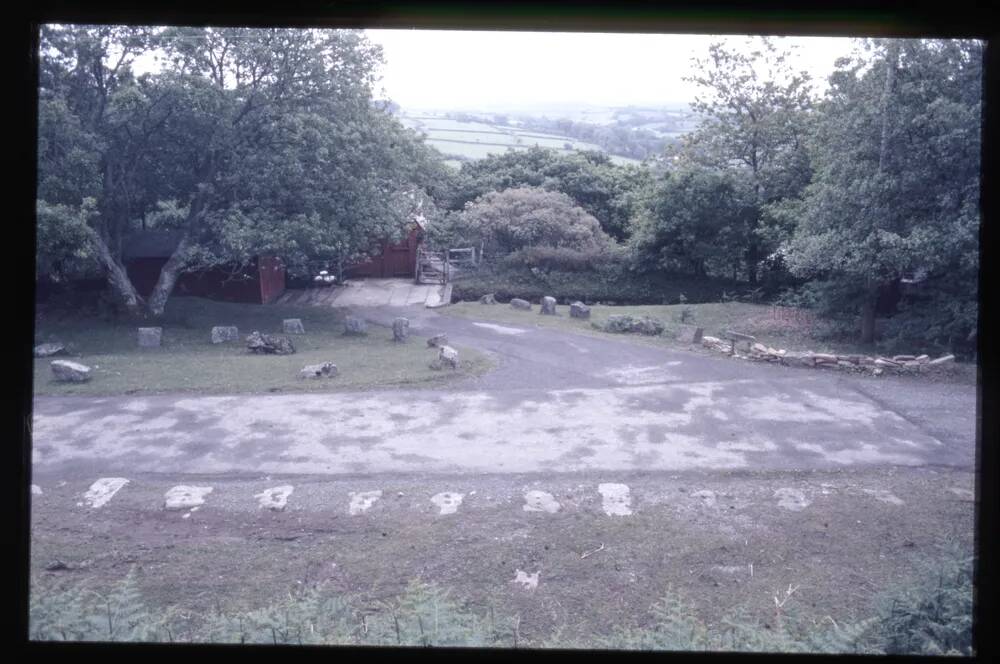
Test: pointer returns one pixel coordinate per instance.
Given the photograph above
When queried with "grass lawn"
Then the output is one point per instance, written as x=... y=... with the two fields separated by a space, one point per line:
x=715 y=318
x=188 y=361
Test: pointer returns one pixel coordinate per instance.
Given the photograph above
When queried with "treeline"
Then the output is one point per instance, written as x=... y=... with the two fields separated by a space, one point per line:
x=858 y=203
x=862 y=200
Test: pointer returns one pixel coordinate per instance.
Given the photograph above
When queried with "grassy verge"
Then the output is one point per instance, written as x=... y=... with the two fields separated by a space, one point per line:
x=777 y=328
x=187 y=361
x=931 y=616
x=715 y=318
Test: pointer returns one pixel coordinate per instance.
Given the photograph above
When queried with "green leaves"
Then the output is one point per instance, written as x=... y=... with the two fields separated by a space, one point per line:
x=860 y=224
x=523 y=217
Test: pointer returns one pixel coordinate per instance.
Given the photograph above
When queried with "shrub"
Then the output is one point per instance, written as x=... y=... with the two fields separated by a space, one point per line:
x=933 y=616
x=633 y=324
x=514 y=219
x=559 y=259
x=608 y=283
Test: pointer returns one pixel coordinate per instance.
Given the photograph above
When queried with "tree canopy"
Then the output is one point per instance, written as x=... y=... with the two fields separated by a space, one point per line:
x=896 y=191
x=259 y=140
x=523 y=217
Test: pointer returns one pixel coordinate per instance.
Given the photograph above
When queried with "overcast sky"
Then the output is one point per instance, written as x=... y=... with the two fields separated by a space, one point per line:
x=464 y=70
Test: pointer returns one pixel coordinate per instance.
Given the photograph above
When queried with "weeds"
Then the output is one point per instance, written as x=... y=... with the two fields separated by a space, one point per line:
x=932 y=615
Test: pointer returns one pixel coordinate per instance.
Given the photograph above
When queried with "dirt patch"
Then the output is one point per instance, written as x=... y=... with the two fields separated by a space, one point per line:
x=593 y=571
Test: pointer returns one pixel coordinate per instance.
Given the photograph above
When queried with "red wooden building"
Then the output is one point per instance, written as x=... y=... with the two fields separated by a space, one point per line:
x=395 y=259
x=260 y=281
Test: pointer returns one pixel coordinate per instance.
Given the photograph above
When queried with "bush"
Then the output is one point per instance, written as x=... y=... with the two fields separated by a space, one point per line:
x=633 y=324
x=607 y=283
x=524 y=217
x=934 y=615
x=559 y=259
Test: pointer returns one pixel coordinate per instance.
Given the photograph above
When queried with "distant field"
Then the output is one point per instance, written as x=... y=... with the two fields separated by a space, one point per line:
x=477 y=140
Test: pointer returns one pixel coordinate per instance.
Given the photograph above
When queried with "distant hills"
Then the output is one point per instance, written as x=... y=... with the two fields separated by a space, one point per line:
x=628 y=134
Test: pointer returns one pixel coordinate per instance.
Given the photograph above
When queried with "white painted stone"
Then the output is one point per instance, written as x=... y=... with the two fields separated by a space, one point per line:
x=791 y=499
x=884 y=496
x=103 y=490
x=729 y=569
x=616 y=500
x=501 y=329
x=447 y=501
x=361 y=501
x=706 y=496
x=275 y=498
x=36 y=490
x=183 y=496
x=529 y=581
x=540 y=501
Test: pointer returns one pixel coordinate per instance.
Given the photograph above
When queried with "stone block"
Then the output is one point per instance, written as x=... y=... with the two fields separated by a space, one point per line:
x=150 y=337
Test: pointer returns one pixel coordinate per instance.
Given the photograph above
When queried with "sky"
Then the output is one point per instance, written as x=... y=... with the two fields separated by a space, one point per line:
x=466 y=70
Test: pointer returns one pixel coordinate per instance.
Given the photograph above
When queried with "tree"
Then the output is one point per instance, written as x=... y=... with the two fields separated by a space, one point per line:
x=515 y=219
x=896 y=189
x=601 y=187
x=755 y=112
x=693 y=222
x=258 y=140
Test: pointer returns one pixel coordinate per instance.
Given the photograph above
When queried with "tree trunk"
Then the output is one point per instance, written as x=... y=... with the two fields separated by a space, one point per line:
x=868 y=310
x=753 y=258
x=870 y=305
x=892 y=58
x=169 y=274
x=118 y=279
x=172 y=269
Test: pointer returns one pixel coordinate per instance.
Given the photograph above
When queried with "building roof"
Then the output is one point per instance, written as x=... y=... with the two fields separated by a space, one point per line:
x=151 y=244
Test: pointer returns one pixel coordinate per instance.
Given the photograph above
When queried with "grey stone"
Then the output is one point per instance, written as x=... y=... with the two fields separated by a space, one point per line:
x=518 y=303
x=579 y=310
x=400 y=329
x=49 y=349
x=355 y=326
x=903 y=358
x=448 y=356
x=70 y=372
x=801 y=359
x=267 y=344
x=437 y=340
x=292 y=326
x=946 y=359
x=150 y=337
x=489 y=298
x=548 y=306
x=324 y=370
x=223 y=333
x=825 y=358
x=690 y=334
